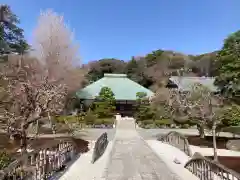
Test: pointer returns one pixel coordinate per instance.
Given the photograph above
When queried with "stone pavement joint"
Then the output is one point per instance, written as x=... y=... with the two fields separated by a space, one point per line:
x=132 y=159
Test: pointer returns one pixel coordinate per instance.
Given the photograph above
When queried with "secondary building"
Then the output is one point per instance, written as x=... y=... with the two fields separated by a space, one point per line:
x=124 y=89
x=185 y=84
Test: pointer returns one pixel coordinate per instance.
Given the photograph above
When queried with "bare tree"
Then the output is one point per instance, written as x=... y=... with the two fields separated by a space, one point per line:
x=29 y=94
x=206 y=109
x=55 y=48
x=199 y=105
x=38 y=87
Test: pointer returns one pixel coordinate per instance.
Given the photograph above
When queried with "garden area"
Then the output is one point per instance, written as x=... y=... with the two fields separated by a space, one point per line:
x=198 y=108
x=85 y=120
x=99 y=114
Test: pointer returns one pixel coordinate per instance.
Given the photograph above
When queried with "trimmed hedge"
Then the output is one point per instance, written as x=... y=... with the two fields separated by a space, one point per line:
x=105 y=121
x=88 y=119
x=160 y=123
x=61 y=119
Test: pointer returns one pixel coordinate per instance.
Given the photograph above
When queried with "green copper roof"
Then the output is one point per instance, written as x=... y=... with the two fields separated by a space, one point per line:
x=122 y=87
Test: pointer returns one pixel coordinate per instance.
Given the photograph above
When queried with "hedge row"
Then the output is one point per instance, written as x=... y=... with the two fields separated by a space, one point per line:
x=85 y=120
x=161 y=123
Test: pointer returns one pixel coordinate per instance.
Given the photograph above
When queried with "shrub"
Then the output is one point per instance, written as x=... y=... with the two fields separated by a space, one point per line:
x=81 y=118
x=62 y=119
x=98 y=121
x=5 y=159
x=163 y=122
x=146 y=122
x=105 y=103
x=90 y=118
x=109 y=121
x=150 y=126
x=185 y=126
x=231 y=116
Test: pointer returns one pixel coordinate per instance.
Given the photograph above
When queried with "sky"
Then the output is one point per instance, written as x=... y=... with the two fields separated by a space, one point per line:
x=125 y=28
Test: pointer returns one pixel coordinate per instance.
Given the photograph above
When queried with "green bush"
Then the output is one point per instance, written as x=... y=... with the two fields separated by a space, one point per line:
x=81 y=118
x=150 y=126
x=62 y=119
x=104 y=109
x=144 y=112
x=231 y=116
x=185 y=126
x=5 y=159
x=163 y=122
x=108 y=121
x=146 y=122
x=90 y=118
x=98 y=121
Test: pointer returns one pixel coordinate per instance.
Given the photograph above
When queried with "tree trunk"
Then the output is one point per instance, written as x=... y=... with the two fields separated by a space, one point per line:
x=214 y=142
x=37 y=128
x=23 y=145
x=201 y=131
x=51 y=123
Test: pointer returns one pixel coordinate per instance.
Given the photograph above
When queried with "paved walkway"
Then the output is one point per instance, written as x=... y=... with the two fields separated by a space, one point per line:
x=83 y=169
x=132 y=158
x=168 y=154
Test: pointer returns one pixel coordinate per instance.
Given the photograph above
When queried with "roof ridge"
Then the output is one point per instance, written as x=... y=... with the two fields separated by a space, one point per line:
x=193 y=78
x=115 y=75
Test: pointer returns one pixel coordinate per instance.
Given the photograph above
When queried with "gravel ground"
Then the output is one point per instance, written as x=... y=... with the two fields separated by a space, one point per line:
x=146 y=134
x=93 y=134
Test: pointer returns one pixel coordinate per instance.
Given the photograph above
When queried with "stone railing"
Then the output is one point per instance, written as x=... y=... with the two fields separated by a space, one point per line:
x=177 y=140
x=41 y=163
x=206 y=169
x=100 y=147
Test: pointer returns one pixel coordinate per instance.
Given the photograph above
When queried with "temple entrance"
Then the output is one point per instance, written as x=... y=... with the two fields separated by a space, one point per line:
x=125 y=108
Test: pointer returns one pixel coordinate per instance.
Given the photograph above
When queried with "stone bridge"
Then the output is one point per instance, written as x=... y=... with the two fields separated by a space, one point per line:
x=127 y=157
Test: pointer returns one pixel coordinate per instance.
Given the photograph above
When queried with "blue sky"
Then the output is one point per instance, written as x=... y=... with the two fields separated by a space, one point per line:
x=124 y=28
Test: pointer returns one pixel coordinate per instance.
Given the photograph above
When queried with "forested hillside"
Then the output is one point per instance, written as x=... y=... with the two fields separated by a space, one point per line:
x=152 y=69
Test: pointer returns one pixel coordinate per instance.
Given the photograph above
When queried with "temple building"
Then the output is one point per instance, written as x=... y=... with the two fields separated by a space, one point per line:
x=124 y=89
x=185 y=84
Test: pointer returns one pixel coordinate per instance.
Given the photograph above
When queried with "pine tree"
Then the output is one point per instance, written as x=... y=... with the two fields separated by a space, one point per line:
x=11 y=36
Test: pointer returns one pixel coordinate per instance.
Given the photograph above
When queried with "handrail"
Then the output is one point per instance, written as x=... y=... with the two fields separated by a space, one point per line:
x=207 y=169
x=42 y=162
x=177 y=140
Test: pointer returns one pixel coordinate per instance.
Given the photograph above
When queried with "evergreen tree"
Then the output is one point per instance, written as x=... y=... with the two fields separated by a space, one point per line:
x=105 y=105
x=229 y=66
x=11 y=36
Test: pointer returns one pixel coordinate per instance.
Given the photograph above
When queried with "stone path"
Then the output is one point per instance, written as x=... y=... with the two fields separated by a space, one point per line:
x=132 y=158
